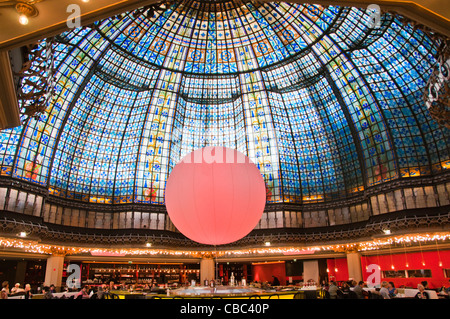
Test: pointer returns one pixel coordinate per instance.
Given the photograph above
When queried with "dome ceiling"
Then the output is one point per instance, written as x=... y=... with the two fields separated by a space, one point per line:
x=324 y=105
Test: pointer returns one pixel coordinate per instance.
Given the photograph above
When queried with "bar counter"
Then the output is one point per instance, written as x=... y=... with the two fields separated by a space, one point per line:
x=221 y=292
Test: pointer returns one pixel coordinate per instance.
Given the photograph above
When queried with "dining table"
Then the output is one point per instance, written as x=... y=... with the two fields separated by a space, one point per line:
x=66 y=294
x=407 y=292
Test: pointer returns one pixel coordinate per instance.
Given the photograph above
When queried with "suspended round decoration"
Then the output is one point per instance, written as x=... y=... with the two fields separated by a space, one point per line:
x=215 y=195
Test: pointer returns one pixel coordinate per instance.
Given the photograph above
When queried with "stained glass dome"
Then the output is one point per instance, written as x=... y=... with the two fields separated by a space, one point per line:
x=325 y=105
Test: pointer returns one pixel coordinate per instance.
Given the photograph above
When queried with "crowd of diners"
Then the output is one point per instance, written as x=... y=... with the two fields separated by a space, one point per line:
x=331 y=290
x=84 y=292
x=387 y=290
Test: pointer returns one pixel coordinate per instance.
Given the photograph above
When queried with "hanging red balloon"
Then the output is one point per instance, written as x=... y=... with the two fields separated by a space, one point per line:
x=215 y=195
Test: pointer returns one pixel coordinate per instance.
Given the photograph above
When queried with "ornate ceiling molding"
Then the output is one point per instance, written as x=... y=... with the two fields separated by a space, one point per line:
x=437 y=92
x=53 y=15
x=50 y=234
x=433 y=15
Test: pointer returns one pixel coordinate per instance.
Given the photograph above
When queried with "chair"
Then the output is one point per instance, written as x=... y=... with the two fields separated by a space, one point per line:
x=110 y=295
x=320 y=294
x=311 y=294
x=352 y=295
x=134 y=296
x=374 y=296
x=299 y=295
x=366 y=294
x=340 y=294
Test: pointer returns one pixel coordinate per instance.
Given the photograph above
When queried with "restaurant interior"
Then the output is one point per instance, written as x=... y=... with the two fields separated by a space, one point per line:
x=339 y=111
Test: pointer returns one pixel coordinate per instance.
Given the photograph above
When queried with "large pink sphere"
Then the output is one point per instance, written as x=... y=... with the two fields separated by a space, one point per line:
x=215 y=195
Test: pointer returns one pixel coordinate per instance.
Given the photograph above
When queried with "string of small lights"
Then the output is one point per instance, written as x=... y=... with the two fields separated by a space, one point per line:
x=40 y=248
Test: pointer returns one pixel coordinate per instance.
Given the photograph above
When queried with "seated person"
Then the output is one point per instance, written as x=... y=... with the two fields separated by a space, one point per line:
x=384 y=292
x=16 y=289
x=345 y=287
x=83 y=293
x=47 y=292
x=358 y=290
x=333 y=290
x=422 y=294
x=392 y=290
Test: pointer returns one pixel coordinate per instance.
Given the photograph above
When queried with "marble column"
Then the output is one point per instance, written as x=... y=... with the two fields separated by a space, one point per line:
x=207 y=269
x=354 y=265
x=54 y=271
x=311 y=270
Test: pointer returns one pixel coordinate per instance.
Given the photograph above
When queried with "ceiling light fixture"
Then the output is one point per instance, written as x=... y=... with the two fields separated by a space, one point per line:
x=23 y=19
x=26 y=11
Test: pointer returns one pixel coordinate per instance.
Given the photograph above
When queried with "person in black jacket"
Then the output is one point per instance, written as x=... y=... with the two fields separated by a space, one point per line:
x=422 y=294
x=28 y=294
x=47 y=292
x=275 y=282
x=358 y=290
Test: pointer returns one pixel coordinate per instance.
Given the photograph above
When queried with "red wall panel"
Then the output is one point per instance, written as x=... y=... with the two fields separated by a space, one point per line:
x=414 y=261
x=264 y=272
x=339 y=264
